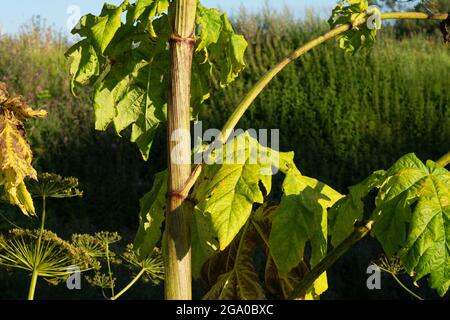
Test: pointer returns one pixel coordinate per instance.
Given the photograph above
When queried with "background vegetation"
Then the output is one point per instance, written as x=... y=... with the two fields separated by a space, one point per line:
x=343 y=116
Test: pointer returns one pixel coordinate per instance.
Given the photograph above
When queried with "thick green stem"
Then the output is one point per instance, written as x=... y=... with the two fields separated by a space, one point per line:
x=413 y=16
x=302 y=288
x=444 y=160
x=32 y=288
x=35 y=275
x=177 y=235
x=246 y=102
x=108 y=262
x=132 y=282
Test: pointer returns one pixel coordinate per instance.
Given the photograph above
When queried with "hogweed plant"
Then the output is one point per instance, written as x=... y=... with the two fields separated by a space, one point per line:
x=151 y=62
x=159 y=65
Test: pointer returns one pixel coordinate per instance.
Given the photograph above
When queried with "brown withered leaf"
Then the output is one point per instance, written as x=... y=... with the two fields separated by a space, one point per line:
x=282 y=287
x=239 y=280
x=15 y=152
x=279 y=286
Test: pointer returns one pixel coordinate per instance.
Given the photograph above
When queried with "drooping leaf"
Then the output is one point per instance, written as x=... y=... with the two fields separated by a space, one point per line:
x=240 y=280
x=301 y=218
x=350 y=209
x=151 y=217
x=85 y=63
x=210 y=23
x=294 y=223
x=278 y=285
x=15 y=152
x=413 y=219
x=16 y=155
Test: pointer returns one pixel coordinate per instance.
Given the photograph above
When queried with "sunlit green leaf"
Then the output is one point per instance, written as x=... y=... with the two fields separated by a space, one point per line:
x=229 y=190
x=106 y=26
x=413 y=219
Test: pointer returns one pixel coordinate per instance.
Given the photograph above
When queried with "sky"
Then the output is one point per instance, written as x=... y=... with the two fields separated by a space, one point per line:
x=63 y=14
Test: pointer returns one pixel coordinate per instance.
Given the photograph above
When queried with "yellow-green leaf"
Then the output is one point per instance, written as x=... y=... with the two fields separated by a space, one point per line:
x=413 y=219
x=229 y=190
x=301 y=218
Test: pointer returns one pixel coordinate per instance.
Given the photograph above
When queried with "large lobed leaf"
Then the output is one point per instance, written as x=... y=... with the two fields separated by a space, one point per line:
x=224 y=197
x=127 y=64
x=413 y=219
x=226 y=193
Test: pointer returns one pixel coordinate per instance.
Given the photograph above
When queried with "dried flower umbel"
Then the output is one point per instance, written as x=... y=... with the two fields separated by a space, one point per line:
x=51 y=185
x=19 y=250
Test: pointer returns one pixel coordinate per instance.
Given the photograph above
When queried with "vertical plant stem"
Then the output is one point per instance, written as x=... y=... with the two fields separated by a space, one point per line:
x=177 y=239
x=32 y=288
x=34 y=276
x=109 y=268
